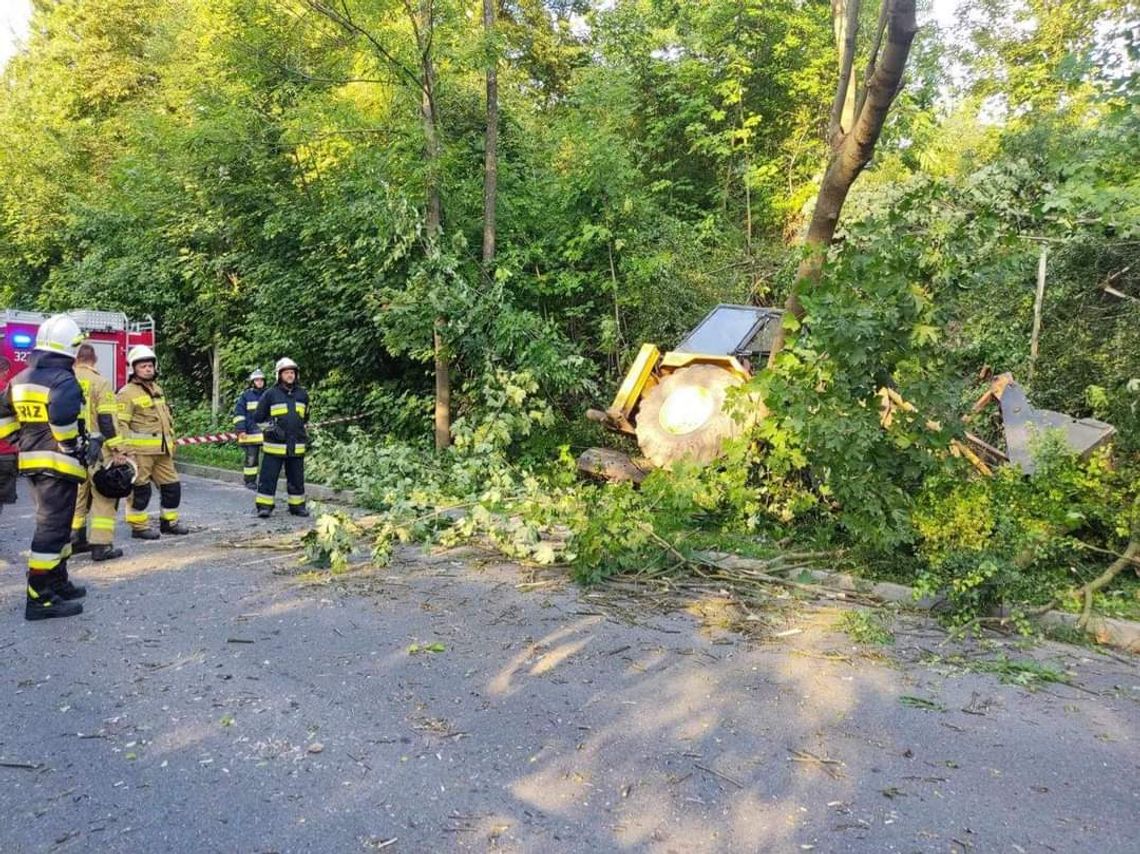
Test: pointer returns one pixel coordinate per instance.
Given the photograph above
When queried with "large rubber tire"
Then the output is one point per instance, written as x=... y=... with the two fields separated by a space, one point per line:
x=701 y=439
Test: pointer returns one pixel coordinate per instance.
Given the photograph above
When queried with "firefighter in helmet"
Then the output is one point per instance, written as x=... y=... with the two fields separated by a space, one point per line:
x=284 y=412
x=249 y=433
x=147 y=426
x=43 y=406
x=105 y=446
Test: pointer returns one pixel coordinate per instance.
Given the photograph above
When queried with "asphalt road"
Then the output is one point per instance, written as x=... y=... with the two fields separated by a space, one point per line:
x=218 y=699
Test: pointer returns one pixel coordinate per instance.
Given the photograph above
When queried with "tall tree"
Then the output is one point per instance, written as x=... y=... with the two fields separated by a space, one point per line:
x=491 y=139
x=421 y=16
x=852 y=131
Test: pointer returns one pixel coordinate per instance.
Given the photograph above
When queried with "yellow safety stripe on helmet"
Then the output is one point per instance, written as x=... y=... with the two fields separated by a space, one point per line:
x=44 y=560
x=168 y=515
x=134 y=518
x=274 y=449
x=279 y=409
x=30 y=393
x=301 y=409
x=264 y=500
x=103 y=523
x=296 y=499
x=8 y=426
x=65 y=432
x=31 y=460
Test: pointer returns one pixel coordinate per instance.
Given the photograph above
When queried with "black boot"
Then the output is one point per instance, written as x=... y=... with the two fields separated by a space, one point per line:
x=62 y=585
x=79 y=542
x=298 y=510
x=168 y=526
x=102 y=552
x=45 y=603
x=264 y=512
x=251 y=484
x=144 y=534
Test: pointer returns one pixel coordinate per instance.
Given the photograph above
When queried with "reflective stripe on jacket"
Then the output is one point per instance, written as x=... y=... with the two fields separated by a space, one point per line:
x=42 y=406
x=285 y=412
x=244 y=410
x=144 y=417
x=100 y=406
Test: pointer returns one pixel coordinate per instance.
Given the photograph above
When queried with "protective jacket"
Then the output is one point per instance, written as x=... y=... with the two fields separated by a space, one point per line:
x=43 y=405
x=244 y=411
x=284 y=412
x=100 y=407
x=144 y=419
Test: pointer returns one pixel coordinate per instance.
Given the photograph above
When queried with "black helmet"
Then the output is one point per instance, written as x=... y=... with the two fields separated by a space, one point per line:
x=115 y=481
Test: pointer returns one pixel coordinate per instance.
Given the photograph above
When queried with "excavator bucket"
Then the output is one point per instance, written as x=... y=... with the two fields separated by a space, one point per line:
x=1022 y=423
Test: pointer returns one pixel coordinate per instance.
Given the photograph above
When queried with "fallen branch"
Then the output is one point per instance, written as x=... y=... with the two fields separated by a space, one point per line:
x=1124 y=561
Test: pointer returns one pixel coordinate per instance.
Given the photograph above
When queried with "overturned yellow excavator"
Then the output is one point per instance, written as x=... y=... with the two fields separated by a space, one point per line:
x=674 y=402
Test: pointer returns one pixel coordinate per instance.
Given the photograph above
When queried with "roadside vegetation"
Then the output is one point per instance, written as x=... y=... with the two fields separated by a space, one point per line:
x=264 y=178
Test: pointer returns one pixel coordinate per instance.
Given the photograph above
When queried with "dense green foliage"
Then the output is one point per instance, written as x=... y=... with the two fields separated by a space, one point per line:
x=254 y=177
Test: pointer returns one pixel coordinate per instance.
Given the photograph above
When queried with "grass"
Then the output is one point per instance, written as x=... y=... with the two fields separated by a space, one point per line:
x=223 y=456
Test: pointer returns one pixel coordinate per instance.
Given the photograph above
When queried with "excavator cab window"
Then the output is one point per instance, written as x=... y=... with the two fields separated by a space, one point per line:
x=734 y=330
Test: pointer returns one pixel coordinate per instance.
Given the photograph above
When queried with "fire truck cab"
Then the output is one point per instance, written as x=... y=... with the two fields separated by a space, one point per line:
x=111 y=333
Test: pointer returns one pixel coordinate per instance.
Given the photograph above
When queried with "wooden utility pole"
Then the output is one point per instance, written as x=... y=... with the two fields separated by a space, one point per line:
x=216 y=383
x=1037 y=303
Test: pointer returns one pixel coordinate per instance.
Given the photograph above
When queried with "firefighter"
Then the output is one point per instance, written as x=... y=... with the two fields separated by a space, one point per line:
x=43 y=405
x=146 y=425
x=284 y=411
x=8 y=471
x=105 y=445
x=249 y=433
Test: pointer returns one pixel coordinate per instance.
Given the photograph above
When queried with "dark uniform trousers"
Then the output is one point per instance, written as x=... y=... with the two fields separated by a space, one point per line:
x=252 y=456
x=271 y=465
x=51 y=542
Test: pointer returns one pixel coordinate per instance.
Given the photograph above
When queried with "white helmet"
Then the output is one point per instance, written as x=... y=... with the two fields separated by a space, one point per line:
x=59 y=334
x=257 y=374
x=141 y=353
x=283 y=364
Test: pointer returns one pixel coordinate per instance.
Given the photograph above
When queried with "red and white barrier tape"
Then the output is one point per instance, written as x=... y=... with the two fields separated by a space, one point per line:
x=233 y=437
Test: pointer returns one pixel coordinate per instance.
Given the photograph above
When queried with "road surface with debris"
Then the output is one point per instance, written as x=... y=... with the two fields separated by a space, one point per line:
x=220 y=699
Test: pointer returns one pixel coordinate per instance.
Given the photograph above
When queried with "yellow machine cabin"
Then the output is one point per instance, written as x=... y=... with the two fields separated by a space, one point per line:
x=674 y=402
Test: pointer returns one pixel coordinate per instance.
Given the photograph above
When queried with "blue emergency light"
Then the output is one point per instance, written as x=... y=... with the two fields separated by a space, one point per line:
x=21 y=341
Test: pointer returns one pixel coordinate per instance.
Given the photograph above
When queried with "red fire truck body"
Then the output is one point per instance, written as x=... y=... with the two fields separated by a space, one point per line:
x=109 y=332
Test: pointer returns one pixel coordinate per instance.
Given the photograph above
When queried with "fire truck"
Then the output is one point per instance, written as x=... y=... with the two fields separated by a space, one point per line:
x=111 y=333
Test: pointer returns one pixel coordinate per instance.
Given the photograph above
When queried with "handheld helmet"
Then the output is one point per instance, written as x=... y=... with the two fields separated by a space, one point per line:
x=115 y=481
x=59 y=334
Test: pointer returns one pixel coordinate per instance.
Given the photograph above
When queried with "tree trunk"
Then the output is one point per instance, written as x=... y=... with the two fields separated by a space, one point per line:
x=851 y=149
x=491 y=154
x=423 y=24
